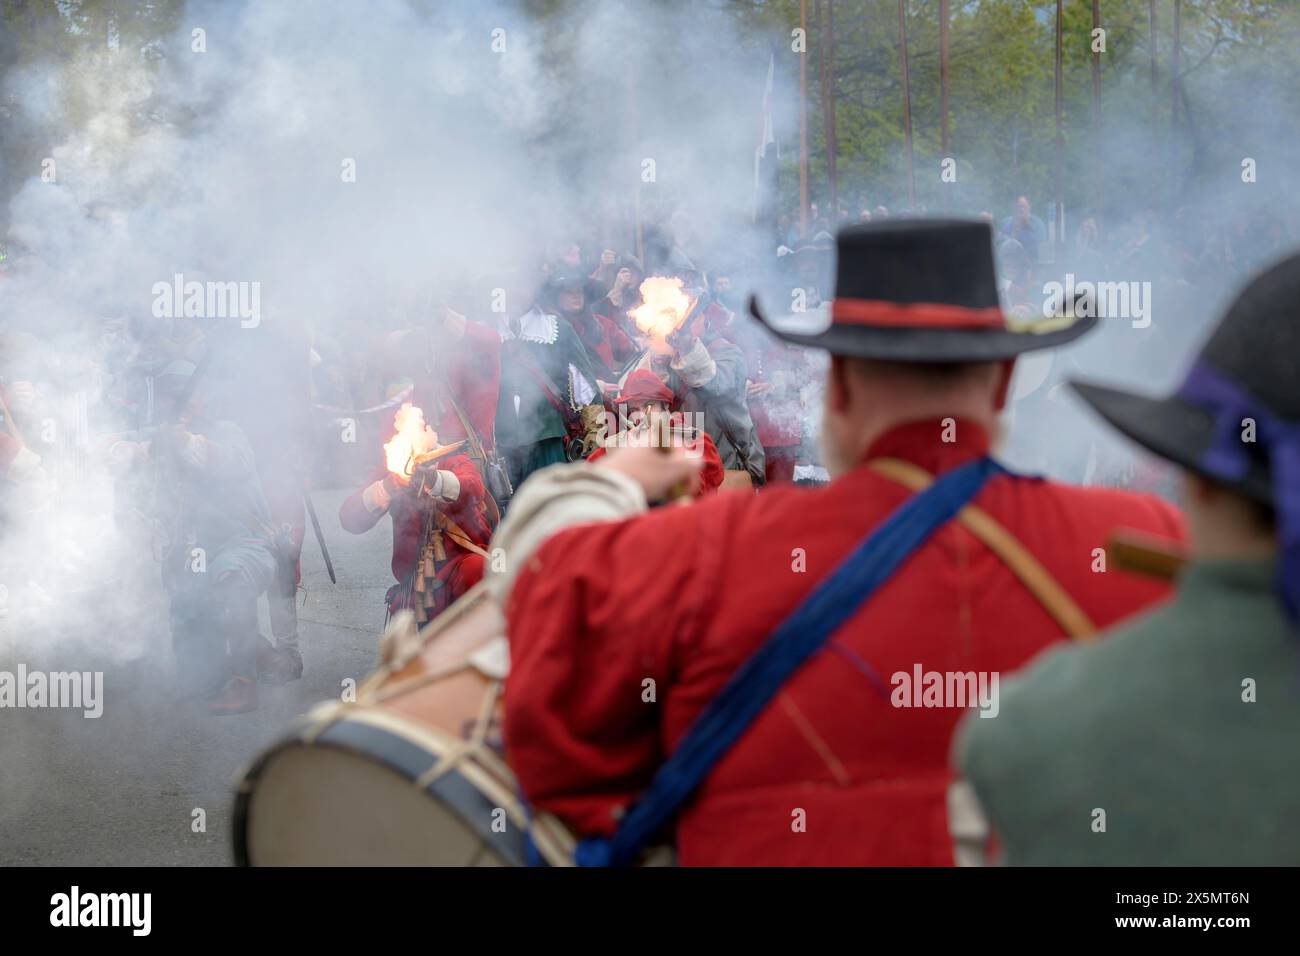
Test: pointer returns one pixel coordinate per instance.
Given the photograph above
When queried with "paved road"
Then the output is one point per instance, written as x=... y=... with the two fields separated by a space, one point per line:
x=122 y=789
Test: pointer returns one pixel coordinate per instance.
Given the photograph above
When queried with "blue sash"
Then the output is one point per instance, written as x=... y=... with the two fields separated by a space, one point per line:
x=833 y=602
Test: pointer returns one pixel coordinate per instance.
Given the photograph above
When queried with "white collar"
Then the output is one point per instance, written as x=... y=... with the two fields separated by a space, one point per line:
x=535 y=326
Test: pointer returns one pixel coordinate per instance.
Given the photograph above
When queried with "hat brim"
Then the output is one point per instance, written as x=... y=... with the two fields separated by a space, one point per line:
x=1171 y=428
x=929 y=344
x=592 y=289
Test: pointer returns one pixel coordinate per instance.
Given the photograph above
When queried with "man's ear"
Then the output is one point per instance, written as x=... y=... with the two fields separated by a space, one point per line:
x=1197 y=489
x=1005 y=370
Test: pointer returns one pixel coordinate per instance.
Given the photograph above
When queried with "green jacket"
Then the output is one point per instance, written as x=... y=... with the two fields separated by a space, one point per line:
x=524 y=414
x=1154 y=725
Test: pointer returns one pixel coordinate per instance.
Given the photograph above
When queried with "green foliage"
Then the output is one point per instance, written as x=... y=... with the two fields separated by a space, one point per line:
x=1236 y=71
x=1236 y=93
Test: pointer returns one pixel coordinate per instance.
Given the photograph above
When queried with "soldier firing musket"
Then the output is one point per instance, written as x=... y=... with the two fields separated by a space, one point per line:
x=437 y=501
x=648 y=417
x=705 y=372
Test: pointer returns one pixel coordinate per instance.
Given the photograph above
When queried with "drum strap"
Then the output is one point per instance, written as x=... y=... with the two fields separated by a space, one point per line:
x=756 y=682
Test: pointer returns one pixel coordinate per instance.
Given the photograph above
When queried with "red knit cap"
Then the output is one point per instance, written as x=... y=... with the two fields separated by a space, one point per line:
x=644 y=386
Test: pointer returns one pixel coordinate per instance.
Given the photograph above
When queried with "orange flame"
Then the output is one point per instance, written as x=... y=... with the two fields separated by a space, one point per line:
x=664 y=307
x=413 y=438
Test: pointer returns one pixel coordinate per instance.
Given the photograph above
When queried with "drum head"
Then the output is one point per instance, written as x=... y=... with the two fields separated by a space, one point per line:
x=322 y=806
x=410 y=774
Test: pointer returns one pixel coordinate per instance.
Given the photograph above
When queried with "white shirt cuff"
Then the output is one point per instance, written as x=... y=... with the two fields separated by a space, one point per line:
x=448 y=486
x=552 y=499
x=376 y=497
x=696 y=367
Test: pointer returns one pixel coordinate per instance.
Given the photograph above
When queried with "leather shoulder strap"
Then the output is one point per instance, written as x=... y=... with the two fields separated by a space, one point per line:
x=457 y=534
x=1036 y=578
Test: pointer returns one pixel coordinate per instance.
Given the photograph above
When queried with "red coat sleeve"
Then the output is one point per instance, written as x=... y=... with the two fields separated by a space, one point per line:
x=714 y=471
x=581 y=733
x=467 y=510
x=354 y=516
x=621 y=347
x=471 y=483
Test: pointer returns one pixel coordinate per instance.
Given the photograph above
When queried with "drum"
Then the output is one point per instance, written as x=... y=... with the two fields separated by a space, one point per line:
x=410 y=773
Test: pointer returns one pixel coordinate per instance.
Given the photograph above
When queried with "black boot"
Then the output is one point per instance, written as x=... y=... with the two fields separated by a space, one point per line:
x=278 y=665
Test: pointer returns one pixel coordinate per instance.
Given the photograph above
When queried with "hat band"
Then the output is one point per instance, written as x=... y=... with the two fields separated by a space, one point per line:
x=914 y=315
x=1234 y=410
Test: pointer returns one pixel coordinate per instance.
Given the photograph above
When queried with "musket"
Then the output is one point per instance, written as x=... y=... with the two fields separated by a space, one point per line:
x=429 y=457
x=1145 y=554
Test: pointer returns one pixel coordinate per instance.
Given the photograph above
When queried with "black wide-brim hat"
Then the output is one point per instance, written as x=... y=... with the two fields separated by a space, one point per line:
x=921 y=290
x=591 y=289
x=1248 y=369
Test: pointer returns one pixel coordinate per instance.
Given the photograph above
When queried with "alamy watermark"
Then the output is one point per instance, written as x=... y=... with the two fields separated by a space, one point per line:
x=683 y=430
x=75 y=908
x=72 y=690
x=180 y=299
x=958 y=689
x=1107 y=300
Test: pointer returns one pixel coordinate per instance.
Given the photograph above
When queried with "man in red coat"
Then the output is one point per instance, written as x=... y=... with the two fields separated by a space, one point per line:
x=440 y=530
x=643 y=403
x=625 y=630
